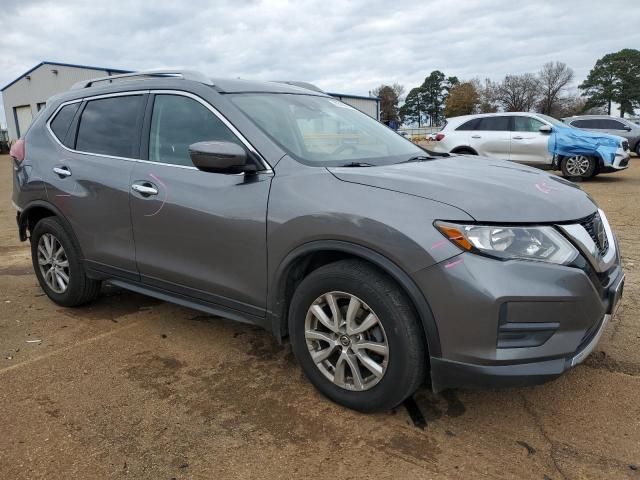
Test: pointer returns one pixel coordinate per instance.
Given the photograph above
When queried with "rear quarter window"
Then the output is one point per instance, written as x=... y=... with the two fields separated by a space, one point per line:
x=470 y=125
x=62 y=121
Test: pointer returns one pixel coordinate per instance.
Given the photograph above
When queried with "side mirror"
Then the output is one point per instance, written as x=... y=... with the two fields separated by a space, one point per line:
x=221 y=157
x=627 y=128
x=545 y=129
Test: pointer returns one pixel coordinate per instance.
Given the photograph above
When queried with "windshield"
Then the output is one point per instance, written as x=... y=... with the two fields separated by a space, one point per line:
x=322 y=131
x=552 y=120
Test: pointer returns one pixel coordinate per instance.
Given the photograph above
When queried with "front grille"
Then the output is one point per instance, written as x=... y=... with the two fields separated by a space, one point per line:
x=592 y=224
x=625 y=145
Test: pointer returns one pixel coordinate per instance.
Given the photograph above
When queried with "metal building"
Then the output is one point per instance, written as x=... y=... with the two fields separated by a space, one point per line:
x=24 y=97
x=368 y=105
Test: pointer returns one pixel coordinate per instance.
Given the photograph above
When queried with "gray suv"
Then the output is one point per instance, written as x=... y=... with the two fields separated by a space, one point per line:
x=279 y=206
x=606 y=124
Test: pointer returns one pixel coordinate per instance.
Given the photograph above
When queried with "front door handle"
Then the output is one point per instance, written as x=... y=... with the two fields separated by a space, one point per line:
x=62 y=171
x=518 y=138
x=145 y=188
x=476 y=136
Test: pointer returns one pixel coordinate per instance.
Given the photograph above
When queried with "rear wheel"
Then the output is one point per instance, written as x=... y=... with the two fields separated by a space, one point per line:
x=356 y=336
x=578 y=166
x=58 y=265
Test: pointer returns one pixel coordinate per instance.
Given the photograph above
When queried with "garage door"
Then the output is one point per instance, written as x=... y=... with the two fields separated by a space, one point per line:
x=23 y=117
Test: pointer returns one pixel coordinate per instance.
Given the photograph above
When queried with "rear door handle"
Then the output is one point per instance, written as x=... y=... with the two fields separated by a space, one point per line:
x=518 y=138
x=476 y=136
x=62 y=171
x=145 y=188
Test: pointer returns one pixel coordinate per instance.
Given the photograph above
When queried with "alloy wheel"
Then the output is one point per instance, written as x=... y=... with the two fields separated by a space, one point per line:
x=346 y=341
x=578 y=165
x=53 y=263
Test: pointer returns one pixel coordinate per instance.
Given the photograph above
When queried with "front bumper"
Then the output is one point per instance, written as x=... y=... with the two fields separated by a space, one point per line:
x=621 y=162
x=559 y=314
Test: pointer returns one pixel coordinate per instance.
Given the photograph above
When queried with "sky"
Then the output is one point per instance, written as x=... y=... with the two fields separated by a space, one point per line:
x=341 y=46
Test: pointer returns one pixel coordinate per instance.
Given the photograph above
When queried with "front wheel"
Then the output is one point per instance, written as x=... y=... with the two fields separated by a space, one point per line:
x=356 y=336
x=578 y=166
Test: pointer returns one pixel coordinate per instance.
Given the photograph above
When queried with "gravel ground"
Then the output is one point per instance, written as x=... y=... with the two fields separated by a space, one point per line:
x=131 y=387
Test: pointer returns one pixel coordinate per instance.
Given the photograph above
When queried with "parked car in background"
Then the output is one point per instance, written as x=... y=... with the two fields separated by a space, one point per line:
x=533 y=139
x=283 y=207
x=605 y=124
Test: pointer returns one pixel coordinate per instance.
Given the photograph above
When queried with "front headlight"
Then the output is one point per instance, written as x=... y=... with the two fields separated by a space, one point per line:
x=543 y=244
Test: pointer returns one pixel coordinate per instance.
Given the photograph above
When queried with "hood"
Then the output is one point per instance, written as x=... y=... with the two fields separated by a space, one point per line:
x=488 y=190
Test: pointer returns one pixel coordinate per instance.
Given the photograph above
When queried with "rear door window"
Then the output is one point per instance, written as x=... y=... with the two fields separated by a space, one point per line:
x=494 y=124
x=62 y=121
x=586 y=123
x=110 y=126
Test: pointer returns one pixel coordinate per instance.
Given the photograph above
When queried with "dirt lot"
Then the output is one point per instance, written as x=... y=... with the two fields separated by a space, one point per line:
x=131 y=387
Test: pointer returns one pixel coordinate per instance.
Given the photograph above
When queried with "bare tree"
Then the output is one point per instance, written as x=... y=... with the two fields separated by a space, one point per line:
x=488 y=95
x=519 y=93
x=399 y=89
x=554 y=77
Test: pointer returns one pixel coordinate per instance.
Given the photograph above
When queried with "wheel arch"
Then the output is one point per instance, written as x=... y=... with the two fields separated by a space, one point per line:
x=36 y=211
x=464 y=149
x=305 y=258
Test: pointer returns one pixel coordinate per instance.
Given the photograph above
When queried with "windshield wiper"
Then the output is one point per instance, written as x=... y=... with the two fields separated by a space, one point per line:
x=358 y=164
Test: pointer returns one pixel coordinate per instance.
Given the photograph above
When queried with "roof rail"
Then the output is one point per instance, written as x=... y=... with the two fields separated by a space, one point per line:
x=184 y=74
x=305 y=85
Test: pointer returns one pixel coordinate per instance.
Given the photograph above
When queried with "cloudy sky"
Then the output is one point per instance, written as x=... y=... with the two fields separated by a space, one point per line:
x=343 y=46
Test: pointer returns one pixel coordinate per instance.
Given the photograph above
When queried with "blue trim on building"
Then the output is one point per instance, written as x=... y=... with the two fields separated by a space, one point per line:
x=58 y=64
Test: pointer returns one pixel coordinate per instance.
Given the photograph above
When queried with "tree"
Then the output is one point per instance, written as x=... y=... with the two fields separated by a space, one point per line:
x=519 y=93
x=463 y=99
x=553 y=78
x=615 y=78
x=414 y=109
x=389 y=98
x=488 y=95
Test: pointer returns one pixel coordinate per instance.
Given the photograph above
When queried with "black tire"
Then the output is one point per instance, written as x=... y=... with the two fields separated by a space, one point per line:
x=638 y=148
x=80 y=289
x=406 y=367
x=588 y=173
x=464 y=151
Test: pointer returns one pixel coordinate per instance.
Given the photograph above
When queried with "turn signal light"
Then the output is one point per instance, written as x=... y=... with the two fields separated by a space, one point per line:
x=455 y=235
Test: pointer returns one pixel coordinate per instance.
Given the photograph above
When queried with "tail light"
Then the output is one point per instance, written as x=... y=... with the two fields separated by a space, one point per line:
x=17 y=151
x=439 y=136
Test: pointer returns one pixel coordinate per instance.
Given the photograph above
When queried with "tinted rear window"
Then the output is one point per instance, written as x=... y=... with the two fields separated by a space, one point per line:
x=611 y=124
x=62 y=121
x=108 y=126
x=586 y=124
x=493 y=124
x=470 y=125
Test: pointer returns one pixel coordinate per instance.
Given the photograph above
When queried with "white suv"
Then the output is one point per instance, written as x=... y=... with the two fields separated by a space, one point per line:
x=529 y=138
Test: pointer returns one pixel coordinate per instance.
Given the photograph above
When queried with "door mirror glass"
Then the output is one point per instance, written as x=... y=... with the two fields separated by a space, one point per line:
x=545 y=129
x=220 y=157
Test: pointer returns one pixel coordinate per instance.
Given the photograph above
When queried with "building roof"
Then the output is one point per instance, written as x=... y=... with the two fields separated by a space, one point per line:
x=112 y=70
